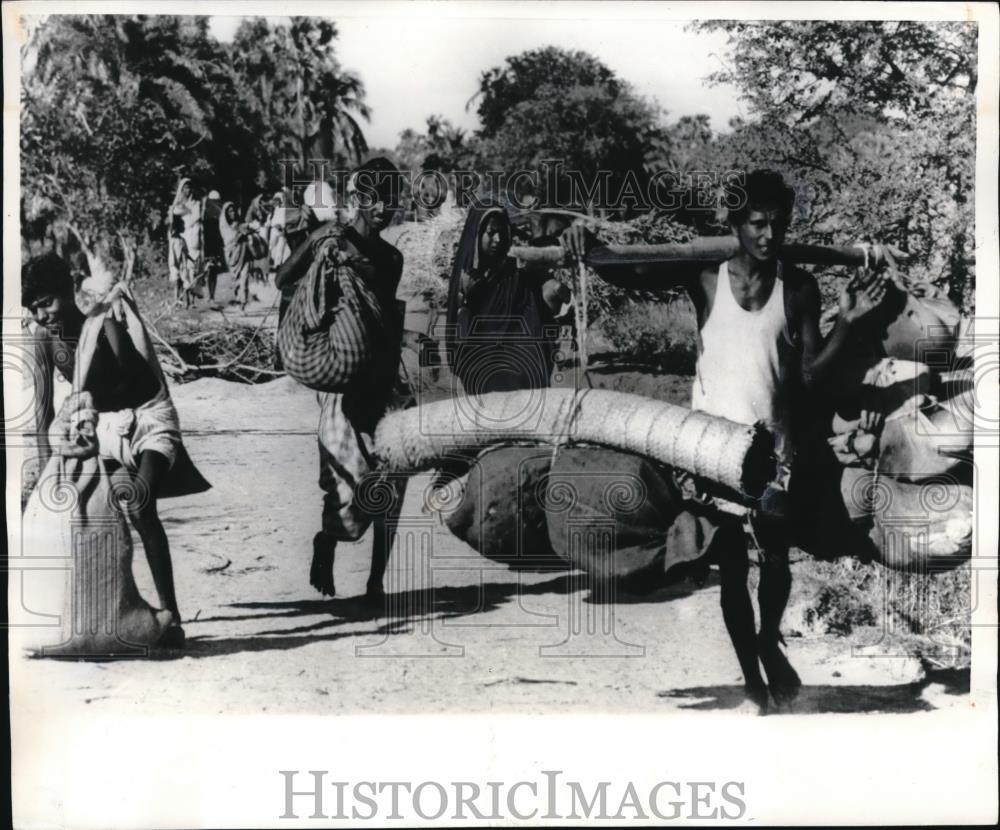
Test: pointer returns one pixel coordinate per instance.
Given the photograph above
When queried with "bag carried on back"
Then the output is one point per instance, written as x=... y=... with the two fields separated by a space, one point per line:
x=333 y=322
x=256 y=245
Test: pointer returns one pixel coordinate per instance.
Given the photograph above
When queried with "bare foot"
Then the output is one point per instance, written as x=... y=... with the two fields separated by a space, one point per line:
x=173 y=635
x=755 y=703
x=321 y=571
x=782 y=679
x=375 y=598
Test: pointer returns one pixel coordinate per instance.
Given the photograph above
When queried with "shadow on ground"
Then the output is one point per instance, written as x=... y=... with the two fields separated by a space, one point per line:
x=840 y=699
x=398 y=612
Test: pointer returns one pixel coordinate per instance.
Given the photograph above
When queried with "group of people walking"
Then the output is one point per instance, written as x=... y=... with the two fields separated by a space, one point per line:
x=209 y=237
x=761 y=356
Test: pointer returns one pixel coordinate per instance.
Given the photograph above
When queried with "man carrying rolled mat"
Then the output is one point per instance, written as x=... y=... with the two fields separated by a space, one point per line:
x=761 y=358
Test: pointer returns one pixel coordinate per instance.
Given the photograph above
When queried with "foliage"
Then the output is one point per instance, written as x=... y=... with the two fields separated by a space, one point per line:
x=896 y=69
x=309 y=106
x=442 y=146
x=604 y=299
x=553 y=104
x=116 y=107
x=875 y=123
x=925 y=615
x=661 y=334
x=112 y=108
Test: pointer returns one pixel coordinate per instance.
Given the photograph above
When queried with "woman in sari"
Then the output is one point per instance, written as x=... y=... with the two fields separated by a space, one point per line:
x=277 y=244
x=191 y=211
x=501 y=318
x=256 y=219
x=236 y=245
x=180 y=265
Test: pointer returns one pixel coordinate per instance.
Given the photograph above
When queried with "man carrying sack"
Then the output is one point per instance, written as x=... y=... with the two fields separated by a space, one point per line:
x=342 y=337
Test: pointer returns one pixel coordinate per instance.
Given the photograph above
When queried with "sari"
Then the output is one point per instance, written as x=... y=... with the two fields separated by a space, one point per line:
x=191 y=212
x=236 y=247
x=288 y=226
x=500 y=333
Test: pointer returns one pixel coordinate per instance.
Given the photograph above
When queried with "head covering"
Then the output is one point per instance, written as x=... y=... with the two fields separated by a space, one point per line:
x=467 y=258
x=214 y=194
x=227 y=230
x=255 y=209
x=179 y=195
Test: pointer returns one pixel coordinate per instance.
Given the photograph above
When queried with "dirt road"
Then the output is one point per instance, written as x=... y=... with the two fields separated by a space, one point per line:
x=460 y=633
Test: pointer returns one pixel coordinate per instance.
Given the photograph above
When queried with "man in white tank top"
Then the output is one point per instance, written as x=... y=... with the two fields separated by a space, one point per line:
x=759 y=345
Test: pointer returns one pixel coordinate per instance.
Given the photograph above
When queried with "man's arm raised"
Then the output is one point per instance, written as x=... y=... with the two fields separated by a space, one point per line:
x=857 y=303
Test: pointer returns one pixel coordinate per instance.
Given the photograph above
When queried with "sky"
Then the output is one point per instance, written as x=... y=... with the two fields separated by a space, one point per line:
x=417 y=65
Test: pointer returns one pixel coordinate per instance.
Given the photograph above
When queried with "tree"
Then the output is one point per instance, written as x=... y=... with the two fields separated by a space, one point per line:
x=896 y=69
x=875 y=121
x=113 y=107
x=309 y=105
x=567 y=106
x=442 y=146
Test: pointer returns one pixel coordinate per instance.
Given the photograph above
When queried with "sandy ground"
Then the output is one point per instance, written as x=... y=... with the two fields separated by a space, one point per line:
x=459 y=633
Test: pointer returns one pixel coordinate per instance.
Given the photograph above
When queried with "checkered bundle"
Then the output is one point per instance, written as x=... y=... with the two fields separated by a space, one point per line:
x=333 y=322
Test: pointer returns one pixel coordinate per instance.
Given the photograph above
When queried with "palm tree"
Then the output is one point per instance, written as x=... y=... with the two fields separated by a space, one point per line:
x=311 y=104
x=111 y=105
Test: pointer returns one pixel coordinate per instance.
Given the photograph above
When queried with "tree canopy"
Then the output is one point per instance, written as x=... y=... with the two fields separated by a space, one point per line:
x=556 y=104
x=116 y=107
x=874 y=122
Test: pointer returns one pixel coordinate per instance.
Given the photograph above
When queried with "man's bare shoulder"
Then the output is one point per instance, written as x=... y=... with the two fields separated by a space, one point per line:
x=708 y=276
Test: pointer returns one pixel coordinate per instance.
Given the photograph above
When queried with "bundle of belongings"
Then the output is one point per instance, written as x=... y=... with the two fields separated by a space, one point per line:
x=897 y=490
x=907 y=481
x=326 y=337
x=77 y=512
x=616 y=515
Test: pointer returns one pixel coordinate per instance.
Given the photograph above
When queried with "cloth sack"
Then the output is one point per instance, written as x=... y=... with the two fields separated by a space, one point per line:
x=501 y=513
x=925 y=328
x=155 y=425
x=621 y=518
x=925 y=526
x=922 y=440
x=615 y=515
x=327 y=336
x=92 y=604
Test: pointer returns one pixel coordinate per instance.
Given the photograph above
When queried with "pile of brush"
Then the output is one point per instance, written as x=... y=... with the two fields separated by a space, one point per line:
x=231 y=351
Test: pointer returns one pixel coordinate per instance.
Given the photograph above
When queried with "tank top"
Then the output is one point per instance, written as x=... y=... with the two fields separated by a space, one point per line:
x=738 y=370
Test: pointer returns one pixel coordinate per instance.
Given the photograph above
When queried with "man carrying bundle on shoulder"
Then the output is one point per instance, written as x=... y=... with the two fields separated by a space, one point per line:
x=342 y=336
x=761 y=359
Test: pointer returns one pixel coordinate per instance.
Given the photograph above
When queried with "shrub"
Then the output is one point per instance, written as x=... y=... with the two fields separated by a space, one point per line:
x=926 y=615
x=662 y=334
